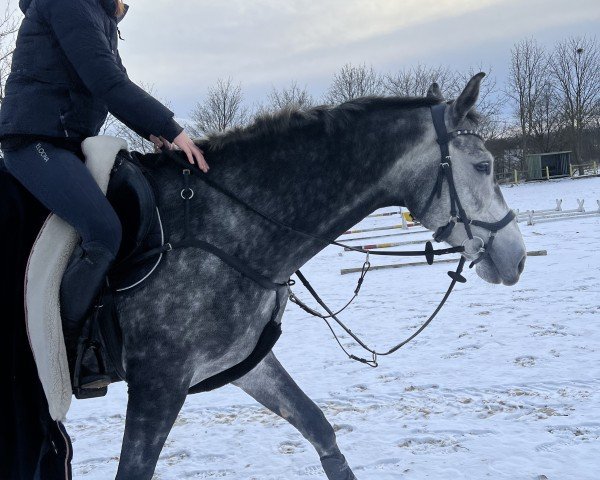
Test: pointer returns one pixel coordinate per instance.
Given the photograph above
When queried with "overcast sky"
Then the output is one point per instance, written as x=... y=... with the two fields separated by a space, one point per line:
x=182 y=47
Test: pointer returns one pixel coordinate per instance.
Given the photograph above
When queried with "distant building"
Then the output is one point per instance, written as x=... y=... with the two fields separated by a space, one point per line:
x=557 y=164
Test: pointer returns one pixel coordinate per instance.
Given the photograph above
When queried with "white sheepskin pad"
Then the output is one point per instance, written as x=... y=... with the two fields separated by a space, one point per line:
x=47 y=263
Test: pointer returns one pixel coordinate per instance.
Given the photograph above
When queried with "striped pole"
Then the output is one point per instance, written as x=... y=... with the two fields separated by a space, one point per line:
x=385 y=214
x=415 y=231
x=377 y=229
x=385 y=245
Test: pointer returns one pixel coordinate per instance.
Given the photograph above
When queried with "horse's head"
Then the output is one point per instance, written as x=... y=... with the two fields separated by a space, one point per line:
x=458 y=198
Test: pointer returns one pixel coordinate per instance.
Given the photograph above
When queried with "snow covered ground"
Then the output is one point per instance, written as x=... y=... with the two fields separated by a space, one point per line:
x=504 y=384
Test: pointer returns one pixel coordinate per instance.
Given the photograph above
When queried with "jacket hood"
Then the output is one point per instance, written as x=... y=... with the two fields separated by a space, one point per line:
x=108 y=5
x=24 y=5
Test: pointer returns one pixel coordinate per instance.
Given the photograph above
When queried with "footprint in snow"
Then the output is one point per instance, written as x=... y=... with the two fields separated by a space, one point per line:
x=525 y=361
x=289 y=447
x=312 y=471
x=342 y=428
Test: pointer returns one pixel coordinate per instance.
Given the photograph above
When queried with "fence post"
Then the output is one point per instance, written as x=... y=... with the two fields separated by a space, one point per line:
x=547 y=173
x=570 y=170
x=530 y=217
x=595 y=168
x=516 y=176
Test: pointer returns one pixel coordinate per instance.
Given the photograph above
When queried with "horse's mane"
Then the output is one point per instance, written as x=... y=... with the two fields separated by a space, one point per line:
x=328 y=118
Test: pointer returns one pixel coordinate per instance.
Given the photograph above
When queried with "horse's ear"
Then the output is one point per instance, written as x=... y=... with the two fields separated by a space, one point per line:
x=467 y=99
x=435 y=92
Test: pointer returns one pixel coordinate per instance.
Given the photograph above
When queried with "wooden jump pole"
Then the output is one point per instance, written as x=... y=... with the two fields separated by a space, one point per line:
x=403 y=226
x=345 y=271
x=385 y=245
x=396 y=234
x=385 y=214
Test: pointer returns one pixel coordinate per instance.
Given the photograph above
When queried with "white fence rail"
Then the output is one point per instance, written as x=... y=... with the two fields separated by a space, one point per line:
x=540 y=216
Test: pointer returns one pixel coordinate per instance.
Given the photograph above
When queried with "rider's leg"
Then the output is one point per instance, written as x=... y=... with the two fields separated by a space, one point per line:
x=60 y=181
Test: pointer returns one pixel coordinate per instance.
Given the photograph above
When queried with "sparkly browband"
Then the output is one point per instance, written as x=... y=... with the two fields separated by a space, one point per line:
x=456 y=133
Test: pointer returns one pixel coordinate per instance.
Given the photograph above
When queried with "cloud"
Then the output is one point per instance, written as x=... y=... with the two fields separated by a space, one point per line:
x=249 y=35
x=183 y=47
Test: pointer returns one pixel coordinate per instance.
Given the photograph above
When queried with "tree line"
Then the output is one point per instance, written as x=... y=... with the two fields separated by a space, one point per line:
x=549 y=101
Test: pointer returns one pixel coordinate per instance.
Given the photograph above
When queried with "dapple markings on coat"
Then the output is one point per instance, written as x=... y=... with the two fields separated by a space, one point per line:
x=322 y=171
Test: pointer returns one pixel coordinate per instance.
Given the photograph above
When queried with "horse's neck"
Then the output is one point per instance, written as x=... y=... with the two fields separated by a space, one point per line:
x=317 y=183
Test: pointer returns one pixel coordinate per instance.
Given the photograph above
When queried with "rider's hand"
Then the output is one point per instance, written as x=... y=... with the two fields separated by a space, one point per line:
x=184 y=143
x=193 y=153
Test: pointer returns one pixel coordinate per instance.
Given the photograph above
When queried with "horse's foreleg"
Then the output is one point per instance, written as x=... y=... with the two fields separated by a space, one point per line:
x=151 y=412
x=272 y=386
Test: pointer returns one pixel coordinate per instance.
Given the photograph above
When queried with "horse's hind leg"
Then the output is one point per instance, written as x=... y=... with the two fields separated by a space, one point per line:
x=272 y=386
x=151 y=413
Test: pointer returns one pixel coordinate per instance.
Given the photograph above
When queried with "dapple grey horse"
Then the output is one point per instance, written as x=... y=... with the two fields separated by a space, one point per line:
x=322 y=170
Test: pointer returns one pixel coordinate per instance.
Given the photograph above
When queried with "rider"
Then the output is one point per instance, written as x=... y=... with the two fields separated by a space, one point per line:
x=66 y=76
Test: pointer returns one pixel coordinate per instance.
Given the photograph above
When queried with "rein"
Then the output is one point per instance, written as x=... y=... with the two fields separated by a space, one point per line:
x=457 y=214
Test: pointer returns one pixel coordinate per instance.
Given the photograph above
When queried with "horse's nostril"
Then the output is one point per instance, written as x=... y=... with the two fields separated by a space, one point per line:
x=521 y=266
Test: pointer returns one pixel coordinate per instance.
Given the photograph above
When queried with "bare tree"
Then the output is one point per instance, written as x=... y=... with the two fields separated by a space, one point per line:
x=415 y=81
x=528 y=87
x=223 y=108
x=575 y=66
x=9 y=22
x=547 y=127
x=292 y=97
x=354 y=82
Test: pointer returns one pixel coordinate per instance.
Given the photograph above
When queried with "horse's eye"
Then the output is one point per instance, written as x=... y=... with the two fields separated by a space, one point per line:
x=483 y=167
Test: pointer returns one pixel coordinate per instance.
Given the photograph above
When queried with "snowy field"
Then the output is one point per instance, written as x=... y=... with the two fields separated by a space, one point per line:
x=504 y=384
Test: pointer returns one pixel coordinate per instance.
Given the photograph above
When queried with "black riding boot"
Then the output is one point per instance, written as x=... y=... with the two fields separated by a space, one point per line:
x=81 y=284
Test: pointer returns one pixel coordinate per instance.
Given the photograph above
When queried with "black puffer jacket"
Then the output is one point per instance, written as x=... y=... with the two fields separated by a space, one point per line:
x=67 y=74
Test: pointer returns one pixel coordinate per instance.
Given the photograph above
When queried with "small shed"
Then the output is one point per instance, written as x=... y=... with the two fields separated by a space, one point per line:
x=556 y=162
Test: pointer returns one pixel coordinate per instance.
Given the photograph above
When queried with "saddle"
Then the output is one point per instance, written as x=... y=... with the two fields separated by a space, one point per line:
x=132 y=197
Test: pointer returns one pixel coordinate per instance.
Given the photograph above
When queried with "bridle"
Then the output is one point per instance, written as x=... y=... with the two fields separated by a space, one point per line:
x=457 y=214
